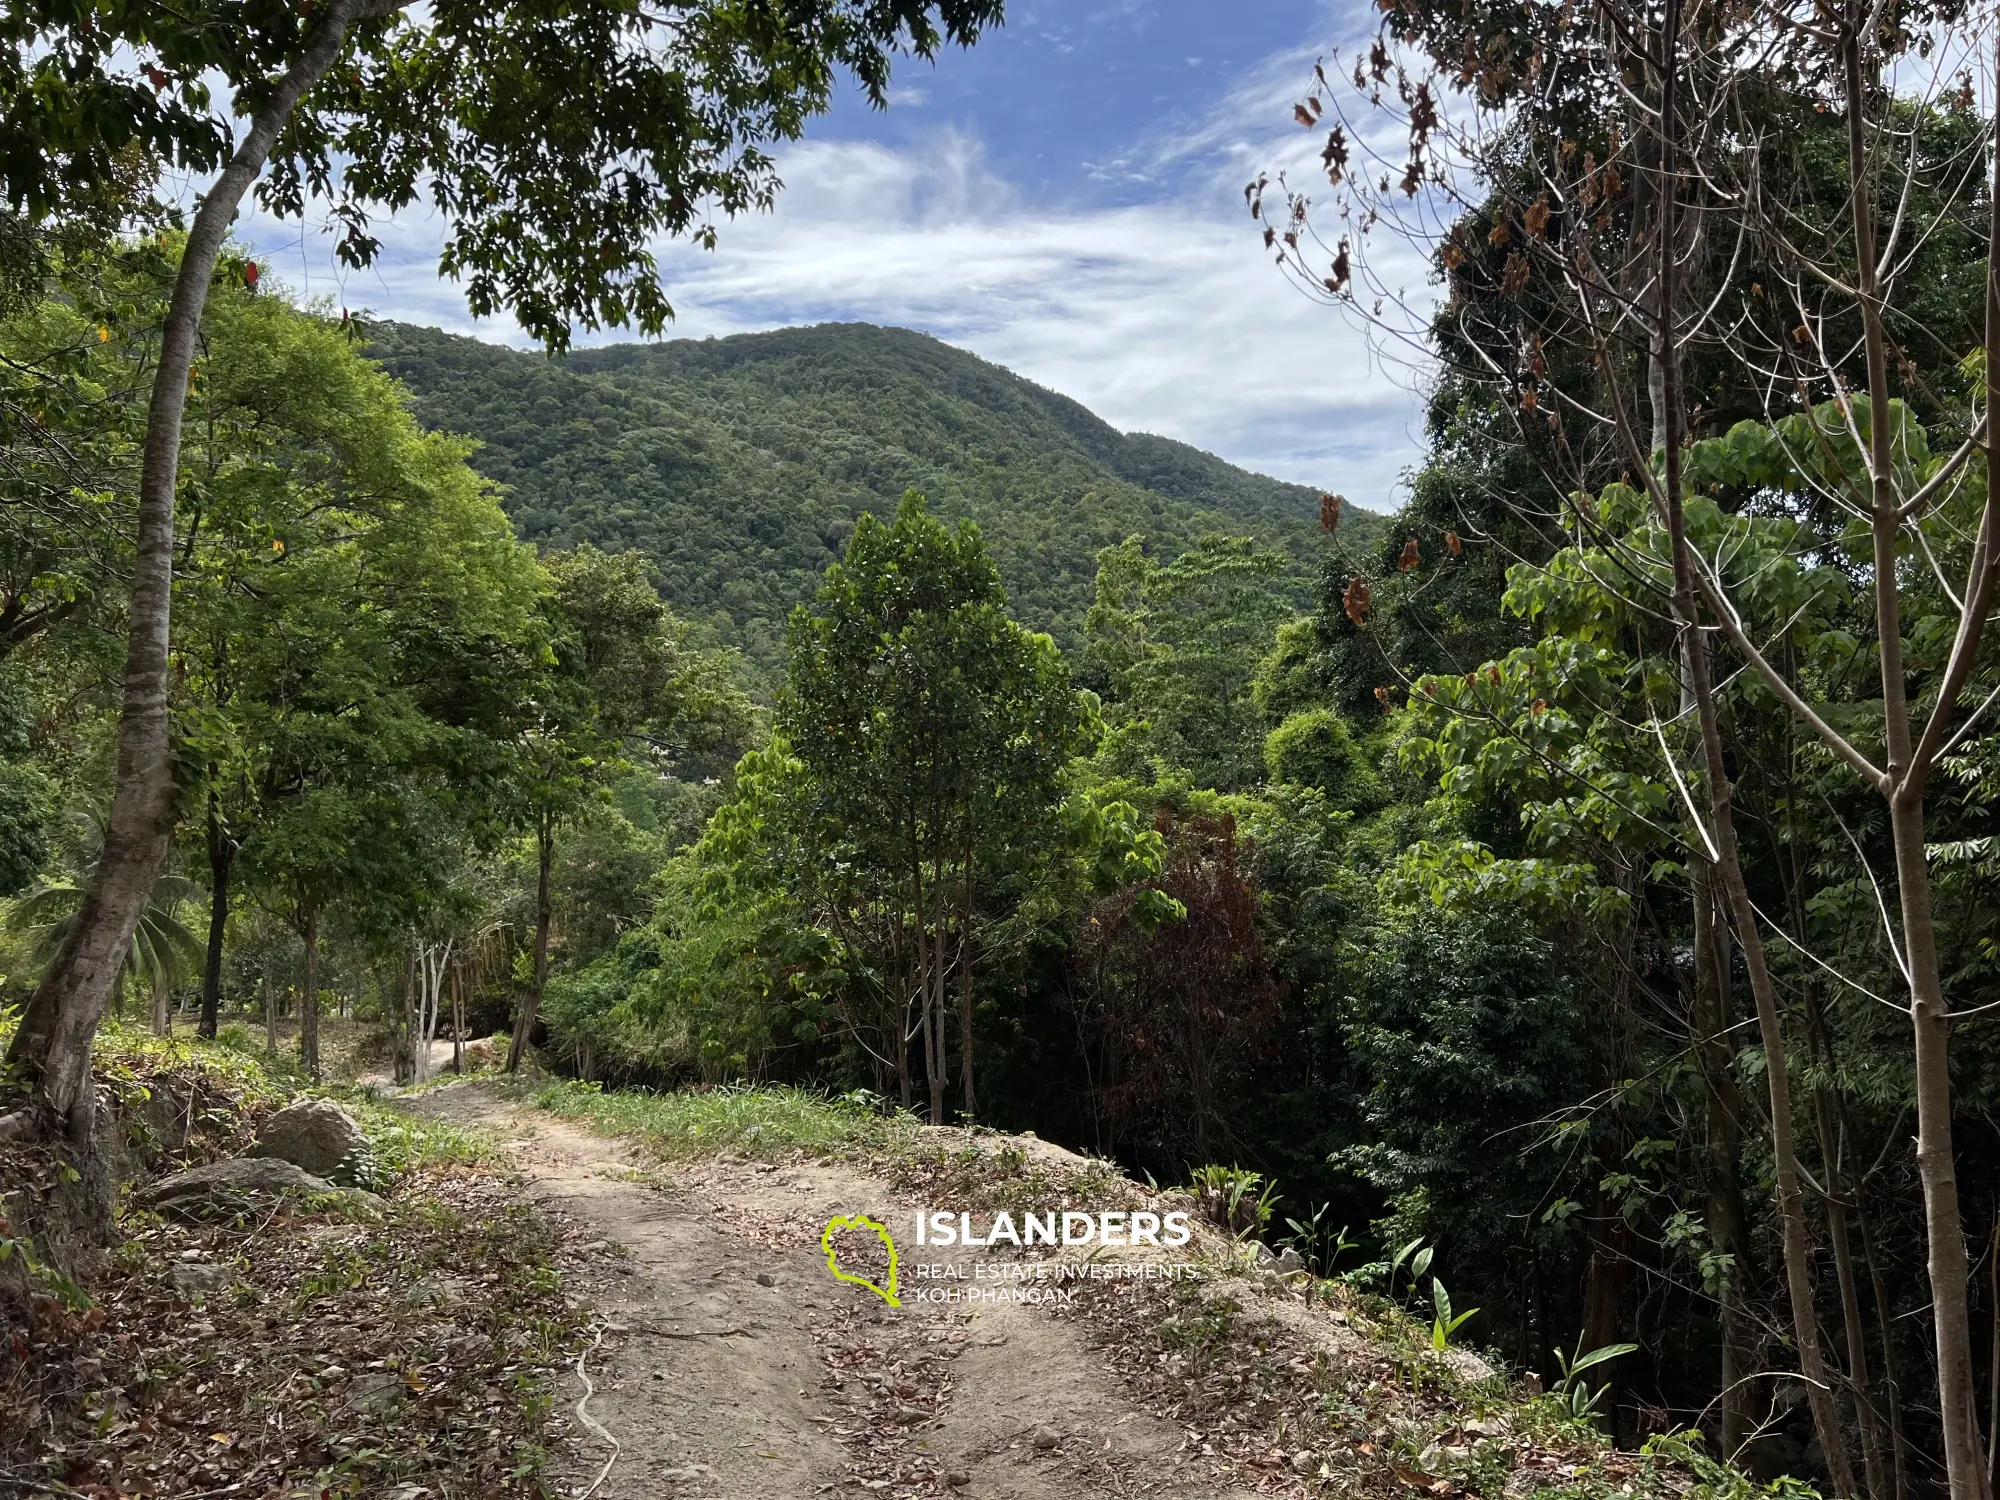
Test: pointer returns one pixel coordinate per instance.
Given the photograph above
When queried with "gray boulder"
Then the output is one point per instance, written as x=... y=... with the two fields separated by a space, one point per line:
x=226 y=1186
x=315 y=1134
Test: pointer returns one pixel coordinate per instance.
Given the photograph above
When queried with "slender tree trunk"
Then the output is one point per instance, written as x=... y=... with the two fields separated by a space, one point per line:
x=420 y=971
x=1993 y=1350
x=930 y=956
x=270 y=1016
x=1727 y=864
x=402 y=1066
x=930 y=982
x=458 y=1016
x=1936 y=1162
x=435 y=987
x=1724 y=1146
x=905 y=1085
x=221 y=864
x=531 y=1003
x=1770 y=1026
x=1885 y=1332
x=163 y=1016
x=899 y=978
x=970 y=1101
x=1866 y=1416
x=1604 y=1298
x=309 y=1005
x=51 y=1048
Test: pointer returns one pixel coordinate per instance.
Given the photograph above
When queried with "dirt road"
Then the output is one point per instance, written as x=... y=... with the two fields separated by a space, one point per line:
x=735 y=1367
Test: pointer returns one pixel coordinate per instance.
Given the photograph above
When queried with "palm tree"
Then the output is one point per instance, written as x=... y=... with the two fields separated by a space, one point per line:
x=162 y=952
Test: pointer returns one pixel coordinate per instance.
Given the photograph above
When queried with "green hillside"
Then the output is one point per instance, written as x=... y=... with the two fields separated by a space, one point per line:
x=739 y=465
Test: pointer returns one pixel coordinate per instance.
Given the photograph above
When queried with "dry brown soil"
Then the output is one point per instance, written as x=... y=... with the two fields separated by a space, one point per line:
x=733 y=1366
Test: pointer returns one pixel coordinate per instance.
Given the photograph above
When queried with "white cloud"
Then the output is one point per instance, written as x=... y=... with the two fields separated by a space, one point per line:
x=1164 y=316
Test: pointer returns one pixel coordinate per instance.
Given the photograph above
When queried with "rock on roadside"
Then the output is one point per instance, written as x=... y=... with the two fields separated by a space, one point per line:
x=314 y=1134
x=223 y=1187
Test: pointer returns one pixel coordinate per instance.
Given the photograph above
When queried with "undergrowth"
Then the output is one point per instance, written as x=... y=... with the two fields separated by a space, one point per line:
x=343 y=1350
x=763 y=1123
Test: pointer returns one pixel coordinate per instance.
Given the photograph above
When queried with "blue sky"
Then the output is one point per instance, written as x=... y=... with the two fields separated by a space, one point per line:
x=1064 y=199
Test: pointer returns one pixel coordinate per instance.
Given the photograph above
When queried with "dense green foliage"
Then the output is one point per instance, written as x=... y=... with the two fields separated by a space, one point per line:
x=560 y=142
x=740 y=466
x=1101 y=791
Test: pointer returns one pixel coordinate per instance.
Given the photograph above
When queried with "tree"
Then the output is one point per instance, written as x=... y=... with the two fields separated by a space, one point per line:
x=72 y=400
x=621 y=677
x=300 y=468
x=558 y=142
x=1178 y=647
x=1172 y=992
x=1764 y=257
x=163 y=950
x=932 y=732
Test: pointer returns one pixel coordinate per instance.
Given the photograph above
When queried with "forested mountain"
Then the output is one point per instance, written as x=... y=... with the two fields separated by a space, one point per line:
x=740 y=465
x=1570 y=900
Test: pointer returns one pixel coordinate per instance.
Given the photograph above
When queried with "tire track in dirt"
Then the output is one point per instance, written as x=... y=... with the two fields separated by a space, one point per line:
x=734 y=1367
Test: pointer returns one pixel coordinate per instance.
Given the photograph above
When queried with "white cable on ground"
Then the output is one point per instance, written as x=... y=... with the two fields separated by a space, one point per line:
x=591 y=1422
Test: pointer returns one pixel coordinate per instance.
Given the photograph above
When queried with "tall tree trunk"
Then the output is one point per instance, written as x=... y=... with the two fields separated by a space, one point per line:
x=930 y=955
x=905 y=1084
x=531 y=1003
x=930 y=981
x=421 y=961
x=1770 y=1026
x=1885 y=1332
x=270 y=1016
x=1868 y=1418
x=309 y=1005
x=434 y=982
x=1722 y=832
x=221 y=864
x=1951 y=1322
x=405 y=1071
x=899 y=979
x=1724 y=1149
x=970 y=1101
x=1993 y=1350
x=51 y=1048
x=1604 y=1298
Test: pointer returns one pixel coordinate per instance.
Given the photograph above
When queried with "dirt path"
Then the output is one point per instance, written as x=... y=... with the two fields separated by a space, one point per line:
x=379 y=1076
x=734 y=1367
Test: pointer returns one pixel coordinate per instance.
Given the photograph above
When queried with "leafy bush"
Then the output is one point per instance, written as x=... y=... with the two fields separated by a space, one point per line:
x=1317 y=748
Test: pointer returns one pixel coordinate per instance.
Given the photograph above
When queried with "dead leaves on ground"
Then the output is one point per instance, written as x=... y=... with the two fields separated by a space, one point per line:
x=324 y=1357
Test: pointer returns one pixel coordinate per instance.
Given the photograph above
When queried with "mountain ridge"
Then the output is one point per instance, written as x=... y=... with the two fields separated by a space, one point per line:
x=739 y=464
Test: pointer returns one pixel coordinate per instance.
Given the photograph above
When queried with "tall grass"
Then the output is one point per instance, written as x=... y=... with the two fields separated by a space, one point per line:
x=753 y=1121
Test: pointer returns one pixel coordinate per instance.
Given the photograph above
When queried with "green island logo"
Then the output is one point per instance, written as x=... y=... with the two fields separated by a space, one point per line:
x=832 y=1253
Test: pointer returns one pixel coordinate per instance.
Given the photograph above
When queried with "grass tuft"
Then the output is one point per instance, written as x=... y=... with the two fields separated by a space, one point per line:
x=758 y=1122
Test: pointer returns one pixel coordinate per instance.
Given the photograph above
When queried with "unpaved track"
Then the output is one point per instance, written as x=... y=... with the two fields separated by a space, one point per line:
x=724 y=1388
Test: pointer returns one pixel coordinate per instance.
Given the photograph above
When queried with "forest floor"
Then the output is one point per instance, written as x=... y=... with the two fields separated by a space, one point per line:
x=567 y=1291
